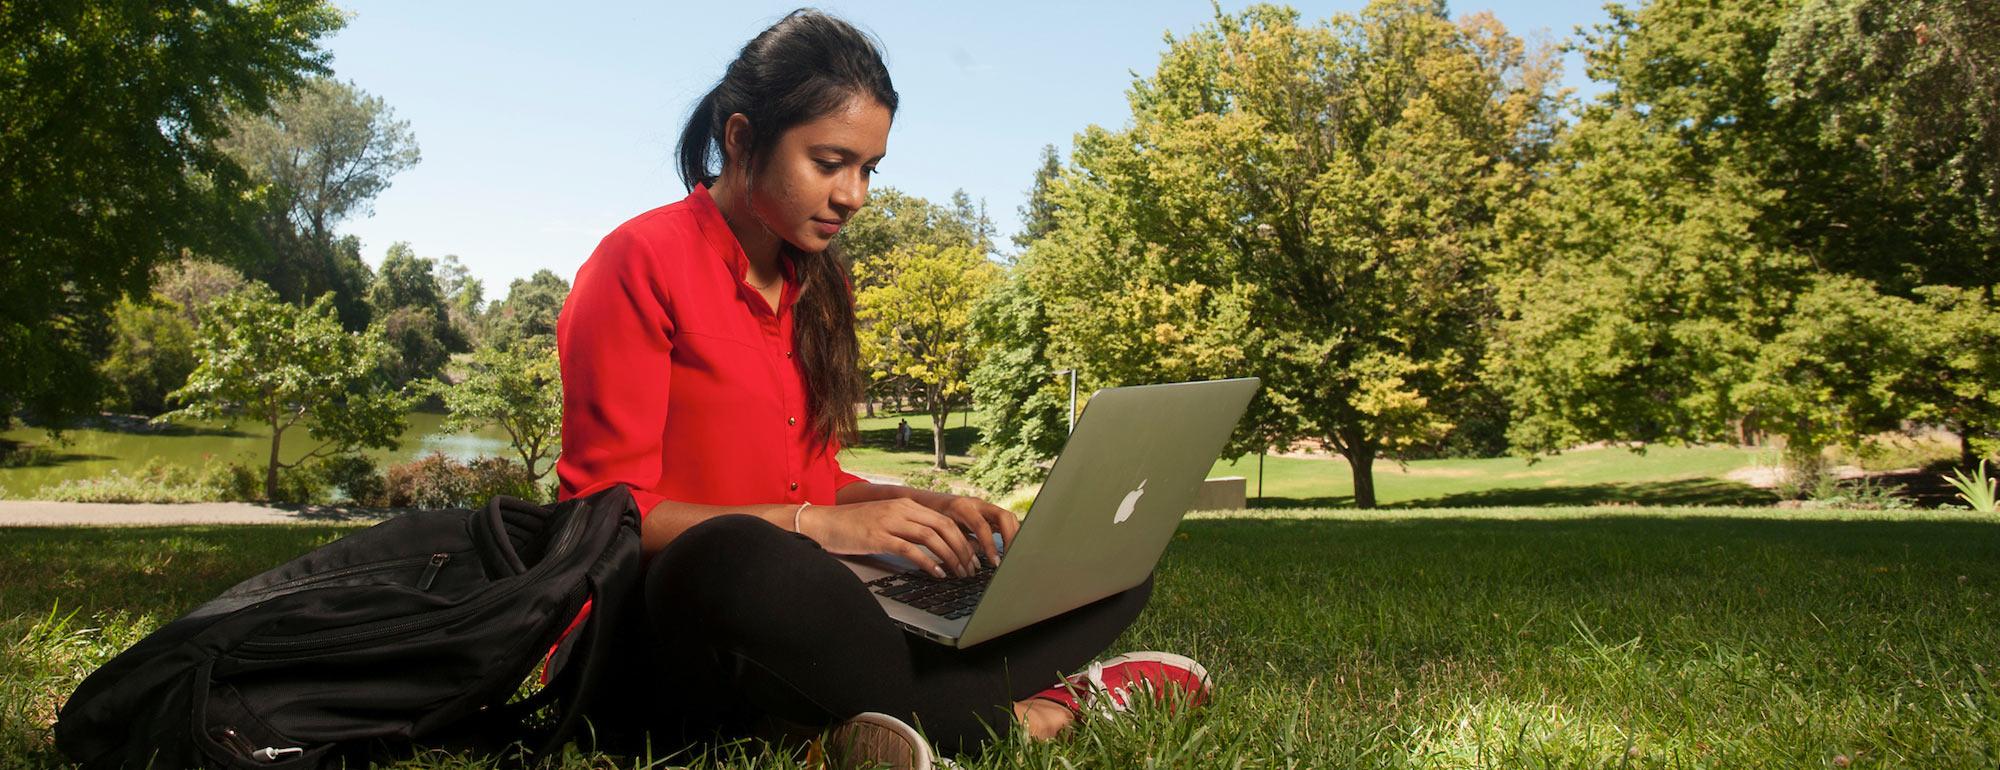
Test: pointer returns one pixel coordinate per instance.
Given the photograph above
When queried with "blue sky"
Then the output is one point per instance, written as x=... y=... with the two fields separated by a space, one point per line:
x=544 y=125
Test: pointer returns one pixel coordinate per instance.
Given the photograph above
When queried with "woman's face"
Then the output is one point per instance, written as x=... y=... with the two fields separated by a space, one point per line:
x=817 y=175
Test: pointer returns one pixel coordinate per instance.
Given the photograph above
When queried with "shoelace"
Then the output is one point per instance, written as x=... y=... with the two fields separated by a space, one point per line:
x=1108 y=700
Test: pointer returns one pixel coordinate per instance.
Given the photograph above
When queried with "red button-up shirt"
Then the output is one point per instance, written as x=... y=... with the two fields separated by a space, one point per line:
x=678 y=378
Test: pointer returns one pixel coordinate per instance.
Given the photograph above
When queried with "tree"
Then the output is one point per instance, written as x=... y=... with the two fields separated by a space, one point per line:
x=916 y=316
x=1038 y=214
x=464 y=298
x=1338 y=183
x=193 y=283
x=107 y=163
x=1750 y=163
x=1022 y=405
x=283 y=365
x=530 y=309
x=1909 y=85
x=322 y=154
x=152 y=353
x=518 y=389
x=410 y=306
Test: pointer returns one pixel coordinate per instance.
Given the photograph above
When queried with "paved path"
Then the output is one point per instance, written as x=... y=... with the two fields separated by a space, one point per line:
x=36 y=513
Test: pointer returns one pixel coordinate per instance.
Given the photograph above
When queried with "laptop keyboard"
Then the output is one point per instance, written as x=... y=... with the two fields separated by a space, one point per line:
x=949 y=598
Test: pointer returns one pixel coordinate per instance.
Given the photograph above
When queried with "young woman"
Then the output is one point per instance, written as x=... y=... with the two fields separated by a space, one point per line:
x=709 y=362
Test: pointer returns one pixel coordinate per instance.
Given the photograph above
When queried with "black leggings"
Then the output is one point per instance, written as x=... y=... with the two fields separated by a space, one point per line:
x=745 y=624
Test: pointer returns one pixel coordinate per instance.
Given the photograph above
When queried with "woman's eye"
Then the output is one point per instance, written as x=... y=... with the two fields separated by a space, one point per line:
x=828 y=165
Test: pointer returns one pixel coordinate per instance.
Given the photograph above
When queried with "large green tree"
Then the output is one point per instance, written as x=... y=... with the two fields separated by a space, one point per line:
x=108 y=164
x=406 y=299
x=518 y=389
x=321 y=155
x=286 y=367
x=915 y=319
x=1740 y=207
x=1336 y=182
x=531 y=308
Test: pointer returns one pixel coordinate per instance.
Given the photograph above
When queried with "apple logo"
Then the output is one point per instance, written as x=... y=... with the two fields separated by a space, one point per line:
x=1131 y=501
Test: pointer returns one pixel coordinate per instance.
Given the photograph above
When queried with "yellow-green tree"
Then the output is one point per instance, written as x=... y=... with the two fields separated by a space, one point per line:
x=916 y=322
x=1310 y=203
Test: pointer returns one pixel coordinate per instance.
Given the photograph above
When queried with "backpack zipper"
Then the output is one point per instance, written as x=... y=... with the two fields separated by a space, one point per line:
x=301 y=583
x=431 y=572
x=564 y=542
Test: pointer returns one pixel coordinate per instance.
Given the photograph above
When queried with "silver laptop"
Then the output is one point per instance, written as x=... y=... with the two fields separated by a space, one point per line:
x=1102 y=519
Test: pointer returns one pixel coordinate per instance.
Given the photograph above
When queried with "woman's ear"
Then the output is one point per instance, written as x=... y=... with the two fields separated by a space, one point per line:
x=736 y=140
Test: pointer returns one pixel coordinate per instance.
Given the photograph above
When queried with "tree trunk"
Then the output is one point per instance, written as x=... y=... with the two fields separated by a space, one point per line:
x=271 y=469
x=940 y=413
x=1361 y=460
x=1967 y=459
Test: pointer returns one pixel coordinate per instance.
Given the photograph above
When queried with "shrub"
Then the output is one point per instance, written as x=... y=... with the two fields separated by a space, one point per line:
x=156 y=482
x=25 y=455
x=356 y=478
x=437 y=481
x=929 y=478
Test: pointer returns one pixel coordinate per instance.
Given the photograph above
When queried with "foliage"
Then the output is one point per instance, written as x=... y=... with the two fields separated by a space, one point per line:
x=518 y=389
x=1023 y=406
x=107 y=165
x=157 y=482
x=1909 y=84
x=325 y=150
x=1978 y=491
x=192 y=283
x=152 y=354
x=1038 y=215
x=418 y=343
x=1840 y=367
x=1336 y=182
x=283 y=365
x=933 y=480
x=356 y=477
x=894 y=219
x=438 y=481
x=915 y=315
x=464 y=297
x=530 y=310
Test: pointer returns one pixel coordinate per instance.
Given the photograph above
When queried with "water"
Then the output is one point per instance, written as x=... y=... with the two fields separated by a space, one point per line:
x=95 y=452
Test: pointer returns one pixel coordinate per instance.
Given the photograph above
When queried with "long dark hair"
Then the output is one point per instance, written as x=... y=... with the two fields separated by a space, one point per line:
x=807 y=65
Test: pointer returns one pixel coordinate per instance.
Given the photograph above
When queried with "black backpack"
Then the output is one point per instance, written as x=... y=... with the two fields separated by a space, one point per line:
x=414 y=633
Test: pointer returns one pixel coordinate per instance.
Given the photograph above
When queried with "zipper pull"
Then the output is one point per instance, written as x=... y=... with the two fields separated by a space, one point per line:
x=273 y=753
x=431 y=571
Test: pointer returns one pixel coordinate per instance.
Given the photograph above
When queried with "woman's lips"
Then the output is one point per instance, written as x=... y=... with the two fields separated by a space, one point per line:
x=826 y=228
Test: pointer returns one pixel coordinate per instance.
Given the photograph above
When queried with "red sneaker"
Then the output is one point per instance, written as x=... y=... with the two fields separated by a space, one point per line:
x=1109 y=686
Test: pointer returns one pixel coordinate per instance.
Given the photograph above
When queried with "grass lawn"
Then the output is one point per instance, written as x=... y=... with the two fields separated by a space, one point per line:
x=1662 y=475
x=1504 y=638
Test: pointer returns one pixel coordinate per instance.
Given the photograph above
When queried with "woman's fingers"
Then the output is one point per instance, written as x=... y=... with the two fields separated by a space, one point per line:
x=957 y=552
x=974 y=520
x=1003 y=520
x=928 y=536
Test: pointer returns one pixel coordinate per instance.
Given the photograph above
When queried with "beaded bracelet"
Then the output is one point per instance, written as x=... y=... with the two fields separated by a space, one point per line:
x=795 y=516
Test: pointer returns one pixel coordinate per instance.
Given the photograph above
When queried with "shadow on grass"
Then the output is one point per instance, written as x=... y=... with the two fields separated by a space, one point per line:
x=957 y=440
x=1682 y=492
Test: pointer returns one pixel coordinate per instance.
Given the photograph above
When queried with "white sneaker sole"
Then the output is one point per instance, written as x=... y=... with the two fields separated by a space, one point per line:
x=876 y=741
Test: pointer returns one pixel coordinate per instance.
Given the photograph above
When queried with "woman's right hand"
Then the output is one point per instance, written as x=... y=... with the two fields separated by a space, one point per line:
x=897 y=525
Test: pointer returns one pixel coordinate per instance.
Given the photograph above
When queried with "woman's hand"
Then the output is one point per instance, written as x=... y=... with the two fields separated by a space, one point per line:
x=982 y=519
x=896 y=525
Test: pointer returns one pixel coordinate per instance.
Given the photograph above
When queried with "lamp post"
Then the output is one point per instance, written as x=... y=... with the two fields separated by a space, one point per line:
x=1072 y=396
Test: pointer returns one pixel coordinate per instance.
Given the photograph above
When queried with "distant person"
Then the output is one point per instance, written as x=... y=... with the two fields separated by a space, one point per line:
x=903 y=434
x=709 y=362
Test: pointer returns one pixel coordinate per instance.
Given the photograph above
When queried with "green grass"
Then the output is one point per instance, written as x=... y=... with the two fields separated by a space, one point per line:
x=1660 y=476
x=1598 y=637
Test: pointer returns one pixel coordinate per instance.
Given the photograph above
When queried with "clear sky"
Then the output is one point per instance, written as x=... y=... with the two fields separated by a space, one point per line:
x=544 y=125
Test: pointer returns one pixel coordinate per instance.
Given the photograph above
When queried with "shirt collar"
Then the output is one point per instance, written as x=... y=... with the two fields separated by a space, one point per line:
x=722 y=241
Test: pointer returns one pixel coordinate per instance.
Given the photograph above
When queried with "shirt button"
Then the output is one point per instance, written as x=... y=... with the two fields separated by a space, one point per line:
x=791 y=421
x=795 y=486
x=788 y=354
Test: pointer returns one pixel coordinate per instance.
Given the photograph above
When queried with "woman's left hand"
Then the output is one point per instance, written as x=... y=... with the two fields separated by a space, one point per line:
x=982 y=519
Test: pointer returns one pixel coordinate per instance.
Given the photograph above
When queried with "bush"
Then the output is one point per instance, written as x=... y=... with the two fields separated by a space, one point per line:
x=929 y=478
x=356 y=478
x=158 y=482
x=437 y=481
x=1931 y=450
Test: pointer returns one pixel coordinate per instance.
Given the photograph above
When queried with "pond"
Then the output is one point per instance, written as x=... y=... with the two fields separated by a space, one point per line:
x=87 y=453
